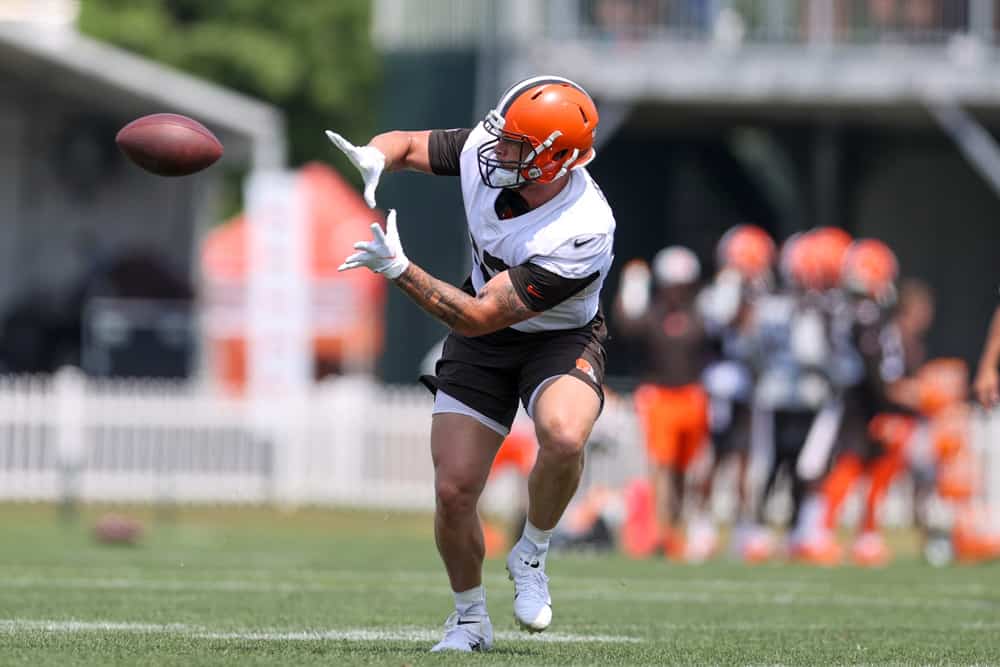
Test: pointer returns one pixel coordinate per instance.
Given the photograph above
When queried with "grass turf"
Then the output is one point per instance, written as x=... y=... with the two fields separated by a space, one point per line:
x=254 y=586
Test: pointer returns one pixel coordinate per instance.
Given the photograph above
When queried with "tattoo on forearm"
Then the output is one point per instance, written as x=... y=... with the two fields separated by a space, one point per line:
x=437 y=297
x=457 y=309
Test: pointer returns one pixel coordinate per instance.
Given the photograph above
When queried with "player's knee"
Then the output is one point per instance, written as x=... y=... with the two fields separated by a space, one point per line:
x=561 y=439
x=454 y=498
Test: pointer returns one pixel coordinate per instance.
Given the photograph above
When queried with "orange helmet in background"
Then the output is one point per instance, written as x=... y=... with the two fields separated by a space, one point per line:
x=748 y=249
x=553 y=120
x=814 y=259
x=870 y=268
x=829 y=247
x=790 y=258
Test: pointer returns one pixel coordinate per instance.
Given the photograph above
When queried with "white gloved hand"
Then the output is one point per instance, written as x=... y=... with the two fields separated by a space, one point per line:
x=384 y=254
x=634 y=288
x=369 y=160
x=720 y=302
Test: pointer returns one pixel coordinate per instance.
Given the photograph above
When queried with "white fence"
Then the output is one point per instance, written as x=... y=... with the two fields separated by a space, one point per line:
x=351 y=442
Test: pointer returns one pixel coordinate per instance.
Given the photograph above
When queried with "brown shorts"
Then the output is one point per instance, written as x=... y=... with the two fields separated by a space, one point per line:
x=490 y=373
x=675 y=420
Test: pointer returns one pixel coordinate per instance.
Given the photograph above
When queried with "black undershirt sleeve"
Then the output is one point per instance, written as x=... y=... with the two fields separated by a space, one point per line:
x=540 y=289
x=445 y=148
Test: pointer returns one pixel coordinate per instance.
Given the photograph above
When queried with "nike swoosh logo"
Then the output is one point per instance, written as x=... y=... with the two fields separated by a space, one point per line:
x=535 y=564
x=461 y=622
x=577 y=243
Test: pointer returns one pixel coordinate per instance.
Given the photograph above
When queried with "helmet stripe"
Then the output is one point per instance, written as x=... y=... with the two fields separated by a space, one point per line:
x=521 y=86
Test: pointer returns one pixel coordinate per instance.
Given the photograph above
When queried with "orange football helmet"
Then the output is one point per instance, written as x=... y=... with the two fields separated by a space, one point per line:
x=746 y=248
x=798 y=261
x=552 y=121
x=870 y=268
x=829 y=246
x=813 y=260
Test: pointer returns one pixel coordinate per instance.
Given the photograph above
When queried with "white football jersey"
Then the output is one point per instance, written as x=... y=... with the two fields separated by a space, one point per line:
x=570 y=235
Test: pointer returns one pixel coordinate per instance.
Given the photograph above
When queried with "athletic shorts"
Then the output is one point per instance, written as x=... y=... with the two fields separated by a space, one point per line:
x=854 y=437
x=735 y=437
x=675 y=420
x=490 y=373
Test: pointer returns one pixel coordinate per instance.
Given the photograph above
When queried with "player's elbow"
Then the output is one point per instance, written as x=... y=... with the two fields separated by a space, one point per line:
x=479 y=320
x=414 y=154
x=472 y=328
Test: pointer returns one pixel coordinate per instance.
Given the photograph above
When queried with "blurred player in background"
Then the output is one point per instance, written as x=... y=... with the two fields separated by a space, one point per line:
x=745 y=257
x=796 y=392
x=525 y=326
x=988 y=375
x=671 y=403
x=875 y=428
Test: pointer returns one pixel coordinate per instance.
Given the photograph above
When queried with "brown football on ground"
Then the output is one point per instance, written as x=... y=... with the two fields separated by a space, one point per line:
x=117 y=529
x=169 y=144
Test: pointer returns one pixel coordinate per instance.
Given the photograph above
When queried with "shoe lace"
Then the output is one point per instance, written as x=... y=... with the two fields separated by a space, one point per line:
x=532 y=584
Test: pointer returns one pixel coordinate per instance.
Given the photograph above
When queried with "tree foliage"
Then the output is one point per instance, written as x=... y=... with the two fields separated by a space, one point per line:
x=312 y=58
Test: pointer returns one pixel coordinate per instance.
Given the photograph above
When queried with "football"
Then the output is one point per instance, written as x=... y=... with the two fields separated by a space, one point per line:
x=117 y=529
x=169 y=144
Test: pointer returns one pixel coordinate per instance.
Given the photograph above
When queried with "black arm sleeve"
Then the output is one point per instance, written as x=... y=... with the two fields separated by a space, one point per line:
x=540 y=289
x=445 y=148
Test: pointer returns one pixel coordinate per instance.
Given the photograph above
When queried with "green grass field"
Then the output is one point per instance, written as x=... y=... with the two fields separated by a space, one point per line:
x=248 y=586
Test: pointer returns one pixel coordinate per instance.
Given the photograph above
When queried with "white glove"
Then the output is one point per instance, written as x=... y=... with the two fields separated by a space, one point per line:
x=719 y=303
x=635 y=289
x=369 y=160
x=383 y=254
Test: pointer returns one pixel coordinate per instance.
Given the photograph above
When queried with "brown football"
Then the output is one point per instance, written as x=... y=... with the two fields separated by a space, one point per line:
x=117 y=529
x=169 y=144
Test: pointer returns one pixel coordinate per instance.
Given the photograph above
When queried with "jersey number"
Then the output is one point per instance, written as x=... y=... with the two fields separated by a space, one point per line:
x=489 y=265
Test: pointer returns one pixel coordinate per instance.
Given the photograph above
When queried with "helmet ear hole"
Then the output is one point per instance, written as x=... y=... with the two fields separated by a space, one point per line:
x=561 y=154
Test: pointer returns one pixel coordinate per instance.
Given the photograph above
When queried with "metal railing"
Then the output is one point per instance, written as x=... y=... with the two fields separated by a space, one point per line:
x=779 y=21
x=436 y=24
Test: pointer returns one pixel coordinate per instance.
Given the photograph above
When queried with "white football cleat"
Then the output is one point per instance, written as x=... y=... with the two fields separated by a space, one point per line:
x=532 y=602
x=467 y=634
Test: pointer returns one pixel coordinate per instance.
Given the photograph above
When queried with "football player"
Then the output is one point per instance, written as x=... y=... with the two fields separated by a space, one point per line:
x=671 y=403
x=796 y=393
x=868 y=445
x=745 y=256
x=526 y=325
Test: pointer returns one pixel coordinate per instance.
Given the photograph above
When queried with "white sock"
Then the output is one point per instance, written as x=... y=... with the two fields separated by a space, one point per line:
x=810 y=518
x=472 y=601
x=534 y=542
x=537 y=536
